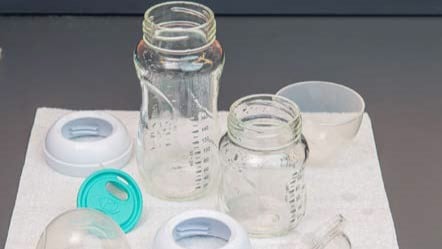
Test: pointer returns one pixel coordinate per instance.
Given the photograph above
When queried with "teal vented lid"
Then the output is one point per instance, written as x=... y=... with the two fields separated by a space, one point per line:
x=114 y=193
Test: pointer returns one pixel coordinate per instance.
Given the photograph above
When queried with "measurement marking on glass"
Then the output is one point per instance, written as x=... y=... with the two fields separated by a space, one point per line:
x=200 y=148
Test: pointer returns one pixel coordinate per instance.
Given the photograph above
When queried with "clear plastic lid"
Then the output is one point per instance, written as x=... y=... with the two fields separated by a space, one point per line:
x=82 y=229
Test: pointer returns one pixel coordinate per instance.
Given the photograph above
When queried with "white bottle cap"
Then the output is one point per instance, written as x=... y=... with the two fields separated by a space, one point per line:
x=201 y=222
x=82 y=142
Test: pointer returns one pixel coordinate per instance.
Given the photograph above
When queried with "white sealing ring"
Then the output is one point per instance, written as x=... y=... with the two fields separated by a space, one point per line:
x=82 y=142
x=201 y=222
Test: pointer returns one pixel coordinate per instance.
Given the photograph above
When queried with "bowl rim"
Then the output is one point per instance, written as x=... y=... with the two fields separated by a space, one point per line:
x=361 y=99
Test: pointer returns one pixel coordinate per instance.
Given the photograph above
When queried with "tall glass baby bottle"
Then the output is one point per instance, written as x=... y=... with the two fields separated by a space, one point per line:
x=179 y=63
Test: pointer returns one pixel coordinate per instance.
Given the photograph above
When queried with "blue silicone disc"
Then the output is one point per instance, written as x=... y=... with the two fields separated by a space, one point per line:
x=113 y=193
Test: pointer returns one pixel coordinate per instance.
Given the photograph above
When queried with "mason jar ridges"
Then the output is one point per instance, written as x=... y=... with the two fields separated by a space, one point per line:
x=259 y=117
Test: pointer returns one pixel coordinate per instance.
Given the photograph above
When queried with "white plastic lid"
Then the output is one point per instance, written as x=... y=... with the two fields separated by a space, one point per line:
x=82 y=142
x=201 y=223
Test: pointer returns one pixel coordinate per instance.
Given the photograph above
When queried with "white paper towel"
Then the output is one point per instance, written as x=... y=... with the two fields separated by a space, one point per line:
x=352 y=186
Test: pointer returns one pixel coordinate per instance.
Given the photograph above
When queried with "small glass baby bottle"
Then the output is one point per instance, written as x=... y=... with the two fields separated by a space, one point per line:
x=179 y=63
x=262 y=159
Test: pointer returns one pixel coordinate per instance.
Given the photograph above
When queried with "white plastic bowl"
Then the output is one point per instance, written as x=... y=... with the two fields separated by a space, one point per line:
x=331 y=115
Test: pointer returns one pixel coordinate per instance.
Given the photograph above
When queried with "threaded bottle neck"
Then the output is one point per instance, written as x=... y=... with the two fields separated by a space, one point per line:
x=264 y=122
x=179 y=27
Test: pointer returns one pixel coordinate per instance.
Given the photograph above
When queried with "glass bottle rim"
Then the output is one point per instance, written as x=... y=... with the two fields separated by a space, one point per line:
x=208 y=26
x=295 y=121
x=211 y=15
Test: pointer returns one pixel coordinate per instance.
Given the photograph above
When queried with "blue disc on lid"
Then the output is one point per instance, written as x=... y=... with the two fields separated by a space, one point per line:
x=114 y=193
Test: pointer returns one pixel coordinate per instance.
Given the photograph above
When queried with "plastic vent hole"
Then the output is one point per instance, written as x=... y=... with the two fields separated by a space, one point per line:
x=87 y=129
x=202 y=233
x=117 y=190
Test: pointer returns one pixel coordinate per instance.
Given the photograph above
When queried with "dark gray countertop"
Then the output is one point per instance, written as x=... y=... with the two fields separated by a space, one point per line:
x=395 y=63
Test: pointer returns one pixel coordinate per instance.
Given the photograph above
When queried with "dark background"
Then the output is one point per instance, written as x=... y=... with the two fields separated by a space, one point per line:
x=395 y=63
x=229 y=7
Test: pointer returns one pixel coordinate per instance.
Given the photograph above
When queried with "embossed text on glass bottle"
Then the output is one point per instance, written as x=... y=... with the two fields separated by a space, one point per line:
x=179 y=63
